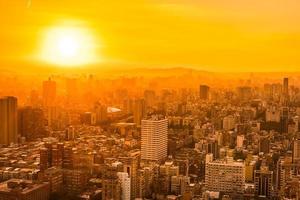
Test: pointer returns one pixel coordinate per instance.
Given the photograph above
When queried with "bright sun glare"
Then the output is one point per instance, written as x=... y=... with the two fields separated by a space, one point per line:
x=69 y=47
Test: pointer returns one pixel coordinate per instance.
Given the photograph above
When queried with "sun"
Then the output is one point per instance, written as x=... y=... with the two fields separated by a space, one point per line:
x=69 y=46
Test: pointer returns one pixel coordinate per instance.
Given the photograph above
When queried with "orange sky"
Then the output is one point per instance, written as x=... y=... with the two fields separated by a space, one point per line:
x=213 y=35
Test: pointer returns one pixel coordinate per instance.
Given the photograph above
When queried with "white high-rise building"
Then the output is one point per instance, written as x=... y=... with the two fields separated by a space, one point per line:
x=154 y=138
x=225 y=176
x=125 y=185
x=8 y=120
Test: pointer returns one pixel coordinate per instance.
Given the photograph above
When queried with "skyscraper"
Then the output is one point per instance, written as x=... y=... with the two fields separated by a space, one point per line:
x=139 y=111
x=154 y=138
x=284 y=119
x=204 y=92
x=8 y=120
x=286 y=87
x=49 y=92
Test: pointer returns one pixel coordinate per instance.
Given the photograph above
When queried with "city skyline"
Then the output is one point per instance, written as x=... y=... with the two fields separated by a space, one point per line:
x=149 y=100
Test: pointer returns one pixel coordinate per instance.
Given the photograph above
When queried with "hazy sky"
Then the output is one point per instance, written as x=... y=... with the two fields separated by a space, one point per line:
x=213 y=35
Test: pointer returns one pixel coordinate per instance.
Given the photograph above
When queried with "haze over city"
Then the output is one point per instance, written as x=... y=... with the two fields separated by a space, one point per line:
x=149 y=99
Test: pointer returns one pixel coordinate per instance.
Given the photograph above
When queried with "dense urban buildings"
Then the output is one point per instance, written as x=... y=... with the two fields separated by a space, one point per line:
x=160 y=143
x=150 y=100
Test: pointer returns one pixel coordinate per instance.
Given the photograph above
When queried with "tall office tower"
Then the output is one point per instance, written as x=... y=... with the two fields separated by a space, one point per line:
x=139 y=111
x=8 y=120
x=296 y=151
x=31 y=123
x=130 y=166
x=204 y=92
x=225 y=176
x=286 y=89
x=49 y=93
x=284 y=120
x=263 y=180
x=154 y=136
x=125 y=185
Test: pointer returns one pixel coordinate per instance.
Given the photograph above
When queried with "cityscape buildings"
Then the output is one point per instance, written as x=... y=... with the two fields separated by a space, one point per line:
x=158 y=143
x=150 y=100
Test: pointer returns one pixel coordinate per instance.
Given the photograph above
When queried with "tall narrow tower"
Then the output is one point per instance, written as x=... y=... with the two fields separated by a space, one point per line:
x=286 y=90
x=8 y=120
x=49 y=92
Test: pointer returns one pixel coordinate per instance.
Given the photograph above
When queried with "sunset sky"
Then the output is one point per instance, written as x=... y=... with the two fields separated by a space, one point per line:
x=212 y=35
